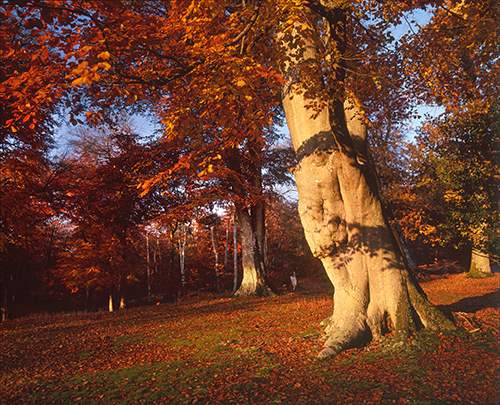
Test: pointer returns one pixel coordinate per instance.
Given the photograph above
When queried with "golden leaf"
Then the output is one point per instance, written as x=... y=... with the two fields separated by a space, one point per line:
x=104 y=55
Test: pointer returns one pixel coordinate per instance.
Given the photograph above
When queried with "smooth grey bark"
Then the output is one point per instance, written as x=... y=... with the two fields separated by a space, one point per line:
x=342 y=214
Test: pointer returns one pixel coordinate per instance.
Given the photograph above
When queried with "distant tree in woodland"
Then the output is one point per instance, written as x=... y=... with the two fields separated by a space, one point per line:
x=104 y=210
x=454 y=185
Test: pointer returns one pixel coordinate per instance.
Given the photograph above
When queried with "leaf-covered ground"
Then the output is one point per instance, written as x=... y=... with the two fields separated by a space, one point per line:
x=252 y=350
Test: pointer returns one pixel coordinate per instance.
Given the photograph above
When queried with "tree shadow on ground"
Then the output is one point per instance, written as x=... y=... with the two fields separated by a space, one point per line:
x=473 y=304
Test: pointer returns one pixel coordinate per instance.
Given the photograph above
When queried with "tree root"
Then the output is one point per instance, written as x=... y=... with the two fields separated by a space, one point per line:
x=260 y=291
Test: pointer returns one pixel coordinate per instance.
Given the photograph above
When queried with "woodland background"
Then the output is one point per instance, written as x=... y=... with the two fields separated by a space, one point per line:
x=148 y=217
x=149 y=225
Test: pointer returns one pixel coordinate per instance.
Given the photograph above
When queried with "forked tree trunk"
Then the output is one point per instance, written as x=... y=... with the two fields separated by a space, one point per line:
x=253 y=282
x=343 y=218
x=479 y=263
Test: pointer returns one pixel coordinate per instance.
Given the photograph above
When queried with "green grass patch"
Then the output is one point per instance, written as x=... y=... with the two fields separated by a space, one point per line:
x=143 y=383
x=204 y=342
x=126 y=340
x=172 y=382
x=86 y=354
x=310 y=333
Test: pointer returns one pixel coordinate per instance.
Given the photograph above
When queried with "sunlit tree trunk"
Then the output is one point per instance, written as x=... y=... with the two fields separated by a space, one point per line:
x=181 y=242
x=216 y=257
x=235 y=253
x=226 y=247
x=479 y=263
x=253 y=282
x=342 y=215
x=155 y=251
x=251 y=223
x=110 y=302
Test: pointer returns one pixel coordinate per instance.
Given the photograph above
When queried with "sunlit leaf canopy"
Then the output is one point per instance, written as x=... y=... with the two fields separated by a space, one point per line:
x=210 y=70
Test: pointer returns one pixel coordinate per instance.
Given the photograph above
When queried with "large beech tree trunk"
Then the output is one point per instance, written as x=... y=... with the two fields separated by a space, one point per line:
x=253 y=282
x=251 y=222
x=479 y=263
x=342 y=215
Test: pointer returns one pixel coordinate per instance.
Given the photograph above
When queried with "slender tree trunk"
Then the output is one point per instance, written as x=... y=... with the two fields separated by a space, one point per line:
x=110 y=302
x=216 y=258
x=158 y=255
x=226 y=247
x=4 y=308
x=155 y=248
x=253 y=282
x=479 y=263
x=182 y=256
x=87 y=296
x=342 y=215
x=235 y=254
x=259 y=223
x=148 y=268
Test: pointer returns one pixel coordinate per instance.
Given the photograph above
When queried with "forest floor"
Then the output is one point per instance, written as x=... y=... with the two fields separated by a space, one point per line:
x=251 y=350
